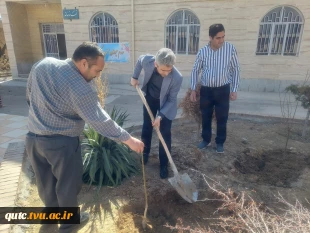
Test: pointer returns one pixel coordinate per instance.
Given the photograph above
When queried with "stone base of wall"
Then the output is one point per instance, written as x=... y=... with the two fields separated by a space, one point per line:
x=266 y=85
x=250 y=85
x=253 y=84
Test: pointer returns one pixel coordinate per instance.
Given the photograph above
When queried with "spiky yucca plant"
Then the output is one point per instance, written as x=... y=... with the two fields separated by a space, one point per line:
x=105 y=161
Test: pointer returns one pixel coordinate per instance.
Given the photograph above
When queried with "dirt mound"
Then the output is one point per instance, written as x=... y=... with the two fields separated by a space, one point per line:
x=164 y=208
x=159 y=213
x=272 y=167
x=186 y=157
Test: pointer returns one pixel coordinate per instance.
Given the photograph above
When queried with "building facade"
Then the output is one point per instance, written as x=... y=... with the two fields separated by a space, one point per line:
x=272 y=37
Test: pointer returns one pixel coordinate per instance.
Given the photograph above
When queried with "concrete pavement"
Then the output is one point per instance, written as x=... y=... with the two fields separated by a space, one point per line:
x=13 y=114
x=126 y=97
x=251 y=103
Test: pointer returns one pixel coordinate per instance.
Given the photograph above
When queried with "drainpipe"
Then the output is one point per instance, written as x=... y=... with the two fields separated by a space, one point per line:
x=133 y=34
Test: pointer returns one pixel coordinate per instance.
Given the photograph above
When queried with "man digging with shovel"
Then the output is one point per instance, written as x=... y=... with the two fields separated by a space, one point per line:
x=61 y=99
x=161 y=85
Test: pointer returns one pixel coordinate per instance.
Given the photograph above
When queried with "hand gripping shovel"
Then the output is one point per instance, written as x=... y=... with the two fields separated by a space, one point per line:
x=182 y=183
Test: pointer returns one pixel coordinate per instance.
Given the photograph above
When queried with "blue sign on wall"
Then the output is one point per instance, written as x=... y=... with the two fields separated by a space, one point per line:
x=70 y=13
x=116 y=52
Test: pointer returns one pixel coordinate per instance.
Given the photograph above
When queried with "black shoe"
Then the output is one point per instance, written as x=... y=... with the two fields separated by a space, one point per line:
x=163 y=172
x=220 y=148
x=203 y=144
x=145 y=158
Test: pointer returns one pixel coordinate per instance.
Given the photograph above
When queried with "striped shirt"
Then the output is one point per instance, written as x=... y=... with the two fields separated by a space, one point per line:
x=61 y=101
x=217 y=67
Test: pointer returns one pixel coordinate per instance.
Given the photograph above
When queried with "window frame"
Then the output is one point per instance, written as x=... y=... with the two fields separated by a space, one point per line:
x=182 y=25
x=104 y=24
x=278 y=24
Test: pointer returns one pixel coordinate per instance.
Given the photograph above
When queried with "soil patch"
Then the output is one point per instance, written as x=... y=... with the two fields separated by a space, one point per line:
x=273 y=167
x=253 y=161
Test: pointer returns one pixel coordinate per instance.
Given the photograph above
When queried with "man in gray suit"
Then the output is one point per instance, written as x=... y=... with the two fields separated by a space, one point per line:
x=162 y=82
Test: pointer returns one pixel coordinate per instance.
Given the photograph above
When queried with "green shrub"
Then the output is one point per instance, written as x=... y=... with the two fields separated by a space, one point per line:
x=106 y=162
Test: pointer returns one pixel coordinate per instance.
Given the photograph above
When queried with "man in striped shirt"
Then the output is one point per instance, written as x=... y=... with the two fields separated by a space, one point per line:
x=219 y=67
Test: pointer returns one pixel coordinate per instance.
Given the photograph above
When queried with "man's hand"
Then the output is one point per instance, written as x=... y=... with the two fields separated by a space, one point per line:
x=135 y=144
x=156 y=123
x=134 y=82
x=233 y=96
x=193 y=96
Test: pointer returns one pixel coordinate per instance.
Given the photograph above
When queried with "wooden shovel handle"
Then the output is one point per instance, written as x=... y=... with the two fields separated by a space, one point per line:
x=173 y=167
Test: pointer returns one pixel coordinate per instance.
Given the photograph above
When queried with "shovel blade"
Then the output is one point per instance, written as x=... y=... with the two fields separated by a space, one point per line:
x=185 y=187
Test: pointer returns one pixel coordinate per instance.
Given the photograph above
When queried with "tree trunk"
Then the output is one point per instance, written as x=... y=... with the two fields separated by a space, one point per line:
x=287 y=136
x=304 y=131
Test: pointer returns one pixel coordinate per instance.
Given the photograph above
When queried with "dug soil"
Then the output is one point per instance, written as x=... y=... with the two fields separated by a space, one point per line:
x=254 y=161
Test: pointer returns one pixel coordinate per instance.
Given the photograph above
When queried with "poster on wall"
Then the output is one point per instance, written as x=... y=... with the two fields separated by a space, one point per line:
x=116 y=52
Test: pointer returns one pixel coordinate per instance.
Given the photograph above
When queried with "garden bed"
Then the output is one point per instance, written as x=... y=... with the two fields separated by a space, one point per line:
x=254 y=161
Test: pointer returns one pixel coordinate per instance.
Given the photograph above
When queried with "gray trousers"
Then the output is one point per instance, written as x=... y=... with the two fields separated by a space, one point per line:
x=57 y=163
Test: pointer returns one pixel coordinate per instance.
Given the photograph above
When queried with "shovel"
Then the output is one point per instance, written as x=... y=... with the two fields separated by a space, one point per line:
x=182 y=183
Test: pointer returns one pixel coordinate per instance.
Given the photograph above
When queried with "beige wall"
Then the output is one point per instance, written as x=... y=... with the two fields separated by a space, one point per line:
x=8 y=37
x=241 y=19
x=20 y=34
x=77 y=31
x=21 y=21
x=2 y=38
x=38 y=14
x=273 y=67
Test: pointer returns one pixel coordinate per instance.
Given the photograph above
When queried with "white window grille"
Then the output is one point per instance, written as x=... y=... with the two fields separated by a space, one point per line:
x=51 y=38
x=182 y=32
x=103 y=28
x=53 y=28
x=280 y=32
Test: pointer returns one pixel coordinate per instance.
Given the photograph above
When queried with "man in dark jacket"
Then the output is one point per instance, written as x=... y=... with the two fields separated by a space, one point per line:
x=161 y=85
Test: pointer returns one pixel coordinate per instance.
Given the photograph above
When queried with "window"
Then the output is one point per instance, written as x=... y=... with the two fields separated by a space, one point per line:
x=103 y=28
x=54 y=40
x=280 y=32
x=182 y=32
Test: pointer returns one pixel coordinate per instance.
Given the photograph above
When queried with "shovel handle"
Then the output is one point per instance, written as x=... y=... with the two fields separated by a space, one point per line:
x=173 y=167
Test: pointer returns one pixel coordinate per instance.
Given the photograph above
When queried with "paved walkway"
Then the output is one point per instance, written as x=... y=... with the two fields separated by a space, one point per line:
x=13 y=129
x=10 y=170
x=13 y=125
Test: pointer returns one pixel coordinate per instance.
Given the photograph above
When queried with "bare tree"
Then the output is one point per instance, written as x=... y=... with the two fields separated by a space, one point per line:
x=302 y=95
x=288 y=110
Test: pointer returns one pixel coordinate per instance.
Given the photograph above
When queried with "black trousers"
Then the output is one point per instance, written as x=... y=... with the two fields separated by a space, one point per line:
x=57 y=163
x=147 y=130
x=214 y=98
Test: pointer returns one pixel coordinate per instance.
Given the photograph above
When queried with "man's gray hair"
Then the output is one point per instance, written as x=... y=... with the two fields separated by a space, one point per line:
x=165 y=57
